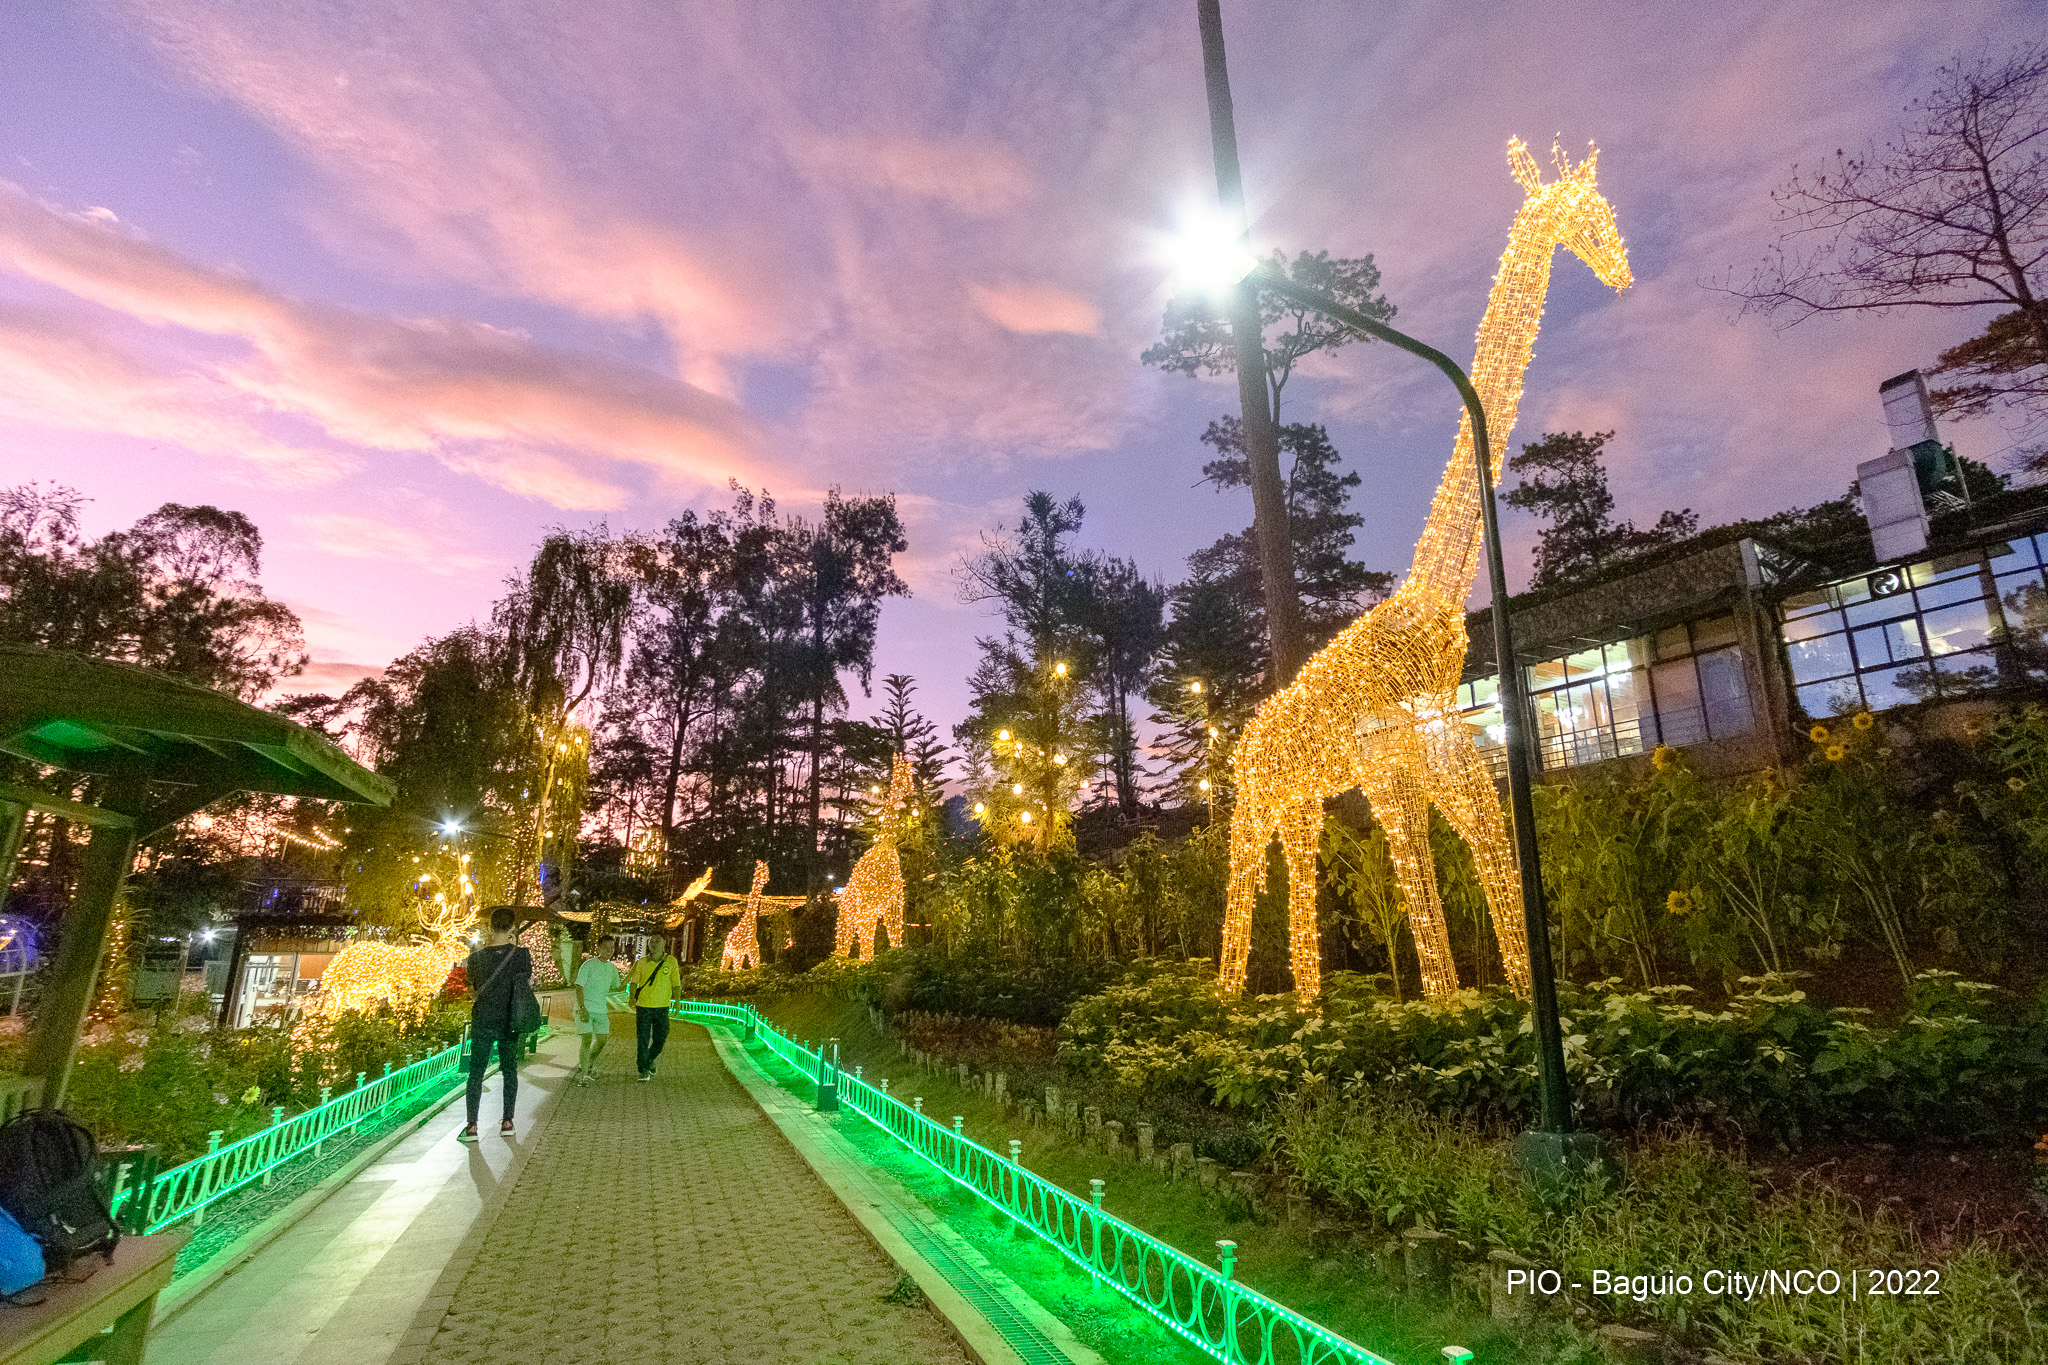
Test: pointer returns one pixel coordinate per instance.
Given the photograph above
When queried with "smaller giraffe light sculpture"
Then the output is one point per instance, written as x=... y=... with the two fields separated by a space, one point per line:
x=872 y=902
x=743 y=944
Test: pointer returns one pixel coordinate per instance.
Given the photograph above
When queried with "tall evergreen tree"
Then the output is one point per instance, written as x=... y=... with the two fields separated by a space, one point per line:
x=1565 y=483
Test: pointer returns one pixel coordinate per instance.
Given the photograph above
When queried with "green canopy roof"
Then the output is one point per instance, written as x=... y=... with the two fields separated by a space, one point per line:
x=97 y=716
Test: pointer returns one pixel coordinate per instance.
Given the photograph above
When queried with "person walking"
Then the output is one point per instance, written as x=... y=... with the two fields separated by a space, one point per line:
x=596 y=979
x=655 y=977
x=500 y=973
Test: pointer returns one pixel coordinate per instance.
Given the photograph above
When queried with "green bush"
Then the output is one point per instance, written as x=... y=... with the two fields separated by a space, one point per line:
x=174 y=1082
x=1679 y=1206
x=1770 y=1062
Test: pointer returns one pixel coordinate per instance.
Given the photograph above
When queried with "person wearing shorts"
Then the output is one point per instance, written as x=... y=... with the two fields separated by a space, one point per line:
x=596 y=979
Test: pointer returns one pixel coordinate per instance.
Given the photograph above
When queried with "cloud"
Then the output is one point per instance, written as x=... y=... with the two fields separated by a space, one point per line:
x=331 y=676
x=485 y=400
x=976 y=178
x=60 y=370
x=359 y=537
x=1030 y=310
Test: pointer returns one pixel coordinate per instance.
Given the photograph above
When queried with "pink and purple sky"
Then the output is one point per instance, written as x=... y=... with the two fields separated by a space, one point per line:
x=411 y=283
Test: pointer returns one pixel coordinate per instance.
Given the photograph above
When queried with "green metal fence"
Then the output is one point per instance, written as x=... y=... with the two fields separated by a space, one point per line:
x=152 y=1204
x=1201 y=1303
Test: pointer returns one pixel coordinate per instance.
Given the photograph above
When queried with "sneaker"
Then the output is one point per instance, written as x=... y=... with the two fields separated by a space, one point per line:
x=647 y=1075
x=506 y=1128
x=467 y=1135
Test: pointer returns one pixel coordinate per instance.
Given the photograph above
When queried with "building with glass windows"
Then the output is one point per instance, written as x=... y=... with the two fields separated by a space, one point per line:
x=1723 y=649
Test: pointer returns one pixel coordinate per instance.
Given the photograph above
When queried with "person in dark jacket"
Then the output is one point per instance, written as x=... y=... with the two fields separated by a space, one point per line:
x=497 y=972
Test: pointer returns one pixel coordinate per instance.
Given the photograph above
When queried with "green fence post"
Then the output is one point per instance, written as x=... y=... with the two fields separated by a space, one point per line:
x=828 y=1079
x=212 y=1145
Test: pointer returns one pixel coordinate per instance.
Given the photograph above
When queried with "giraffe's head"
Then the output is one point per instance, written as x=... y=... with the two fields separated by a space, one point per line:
x=1584 y=220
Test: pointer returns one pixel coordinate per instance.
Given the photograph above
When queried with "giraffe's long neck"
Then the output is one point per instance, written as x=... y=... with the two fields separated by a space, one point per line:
x=1447 y=556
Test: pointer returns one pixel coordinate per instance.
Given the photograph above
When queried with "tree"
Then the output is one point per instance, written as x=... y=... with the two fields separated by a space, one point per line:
x=1565 y=483
x=1126 y=616
x=1026 y=743
x=177 y=591
x=1196 y=339
x=910 y=734
x=841 y=570
x=1200 y=339
x=1952 y=213
x=566 y=625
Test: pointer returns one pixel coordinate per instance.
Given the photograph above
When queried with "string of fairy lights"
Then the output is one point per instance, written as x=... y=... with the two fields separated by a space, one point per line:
x=1376 y=707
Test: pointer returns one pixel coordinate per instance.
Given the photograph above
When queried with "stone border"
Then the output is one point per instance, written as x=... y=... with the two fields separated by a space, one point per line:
x=182 y=1294
x=880 y=1205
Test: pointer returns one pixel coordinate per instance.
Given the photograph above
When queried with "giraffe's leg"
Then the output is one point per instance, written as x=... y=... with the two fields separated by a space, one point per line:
x=1301 y=829
x=1463 y=790
x=1250 y=831
x=1401 y=803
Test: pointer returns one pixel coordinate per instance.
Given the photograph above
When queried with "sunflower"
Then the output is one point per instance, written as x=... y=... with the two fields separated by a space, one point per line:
x=1864 y=720
x=1818 y=734
x=1837 y=752
x=1662 y=757
x=1679 y=902
x=2016 y=784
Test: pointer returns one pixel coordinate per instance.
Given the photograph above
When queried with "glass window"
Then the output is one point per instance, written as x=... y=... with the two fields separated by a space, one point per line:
x=2015 y=555
x=1966 y=625
x=1954 y=590
x=1894 y=642
x=1547 y=674
x=1807 y=603
x=1896 y=603
x=2026 y=609
x=1627 y=698
x=1886 y=687
x=1680 y=717
x=1825 y=699
x=1586 y=663
x=1971 y=671
x=1827 y=657
x=1724 y=693
x=1813 y=626
x=1628 y=654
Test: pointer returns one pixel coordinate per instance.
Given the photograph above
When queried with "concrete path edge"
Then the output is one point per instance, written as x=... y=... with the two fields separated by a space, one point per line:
x=182 y=1294
x=873 y=1197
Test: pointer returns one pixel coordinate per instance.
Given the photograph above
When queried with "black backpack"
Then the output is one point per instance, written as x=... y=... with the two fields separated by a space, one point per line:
x=47 y=1164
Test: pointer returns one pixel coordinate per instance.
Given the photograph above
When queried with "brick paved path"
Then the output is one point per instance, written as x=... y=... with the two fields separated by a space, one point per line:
x=754 y=1261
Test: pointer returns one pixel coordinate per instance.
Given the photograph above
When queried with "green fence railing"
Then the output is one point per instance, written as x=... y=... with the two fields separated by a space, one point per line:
x=1226 y=1320
x=153 y=1203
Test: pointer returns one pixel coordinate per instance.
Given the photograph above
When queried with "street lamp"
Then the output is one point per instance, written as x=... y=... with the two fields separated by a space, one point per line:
x=1555 y=1104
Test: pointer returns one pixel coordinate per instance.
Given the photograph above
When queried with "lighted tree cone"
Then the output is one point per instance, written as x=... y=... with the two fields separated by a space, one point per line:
x=873 y=899
x=1377 y=707
x=743 y=944
x=364 y=975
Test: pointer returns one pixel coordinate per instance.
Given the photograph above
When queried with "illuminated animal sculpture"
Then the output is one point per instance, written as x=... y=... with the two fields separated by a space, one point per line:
x=1376 y=708
x=873 y=898
x=364 y=974
x=743 y=944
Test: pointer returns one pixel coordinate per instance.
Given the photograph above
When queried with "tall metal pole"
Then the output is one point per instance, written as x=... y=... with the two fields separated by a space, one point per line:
x=1261 y=437
x=1555 y=1115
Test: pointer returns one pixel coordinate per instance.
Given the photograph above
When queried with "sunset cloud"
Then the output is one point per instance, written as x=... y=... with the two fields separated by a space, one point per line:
x=1029 y=310
x=450 y=388
x=415 y=547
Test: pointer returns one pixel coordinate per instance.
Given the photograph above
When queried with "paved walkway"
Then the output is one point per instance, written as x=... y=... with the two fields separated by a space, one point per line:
x=667 y=1222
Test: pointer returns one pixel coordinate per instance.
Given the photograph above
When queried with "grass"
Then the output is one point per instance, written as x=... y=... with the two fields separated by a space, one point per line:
x=1344 y=1292
x=1682 y=1206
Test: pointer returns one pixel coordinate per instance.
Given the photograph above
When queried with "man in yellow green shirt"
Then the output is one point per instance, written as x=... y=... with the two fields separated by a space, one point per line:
x=654 y=980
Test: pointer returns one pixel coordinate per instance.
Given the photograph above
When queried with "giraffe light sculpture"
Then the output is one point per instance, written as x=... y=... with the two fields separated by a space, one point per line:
x=1376 y=708
x=873 y=899
x=743 y=944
